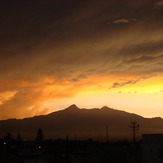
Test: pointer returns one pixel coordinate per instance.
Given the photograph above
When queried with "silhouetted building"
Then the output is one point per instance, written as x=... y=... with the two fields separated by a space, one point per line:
x=152 y=148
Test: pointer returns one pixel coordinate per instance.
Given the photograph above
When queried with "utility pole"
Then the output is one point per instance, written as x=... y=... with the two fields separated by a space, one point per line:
x=135 y=128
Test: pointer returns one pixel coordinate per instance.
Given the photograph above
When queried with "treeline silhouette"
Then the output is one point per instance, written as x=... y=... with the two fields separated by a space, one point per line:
x=19 y=150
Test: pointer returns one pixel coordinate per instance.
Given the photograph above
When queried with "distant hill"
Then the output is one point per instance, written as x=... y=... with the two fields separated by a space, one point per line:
x=81 y=123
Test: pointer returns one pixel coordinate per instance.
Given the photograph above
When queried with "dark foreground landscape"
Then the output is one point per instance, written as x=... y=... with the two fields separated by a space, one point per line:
x=148 y=150
x=78 y=135
x=66 y=151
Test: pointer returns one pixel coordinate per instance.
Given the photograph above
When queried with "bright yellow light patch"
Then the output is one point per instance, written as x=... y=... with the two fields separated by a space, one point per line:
x=143 y=96
x=7 y=95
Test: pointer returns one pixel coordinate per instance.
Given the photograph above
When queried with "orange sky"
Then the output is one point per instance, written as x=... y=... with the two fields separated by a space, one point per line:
x=136 y=94
x=91 y=53
x=143 y=97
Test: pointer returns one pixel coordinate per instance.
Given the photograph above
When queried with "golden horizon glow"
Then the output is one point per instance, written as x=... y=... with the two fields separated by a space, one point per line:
x=136 y=94
x=140 y=98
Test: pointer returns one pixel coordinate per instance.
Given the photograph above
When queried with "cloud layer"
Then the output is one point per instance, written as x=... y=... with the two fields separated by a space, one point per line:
x=72 y=41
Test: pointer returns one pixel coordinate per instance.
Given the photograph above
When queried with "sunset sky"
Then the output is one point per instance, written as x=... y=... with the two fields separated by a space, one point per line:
x=94 y=53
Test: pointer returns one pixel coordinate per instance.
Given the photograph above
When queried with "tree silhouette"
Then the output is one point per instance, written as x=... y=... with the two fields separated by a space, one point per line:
x=19 y=139
x=39 y=135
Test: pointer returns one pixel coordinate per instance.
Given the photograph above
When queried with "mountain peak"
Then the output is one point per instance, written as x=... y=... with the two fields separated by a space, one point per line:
x=72 y=107
x=105 y=107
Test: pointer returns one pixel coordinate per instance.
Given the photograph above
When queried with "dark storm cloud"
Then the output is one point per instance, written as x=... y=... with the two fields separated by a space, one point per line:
x=62 y=38
x=124 y=20
x=130 y=82
x=147 y=48
x=158 y=4
x=121 y=84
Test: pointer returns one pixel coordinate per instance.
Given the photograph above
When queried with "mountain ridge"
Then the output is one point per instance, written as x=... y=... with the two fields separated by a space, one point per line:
x=82 y=122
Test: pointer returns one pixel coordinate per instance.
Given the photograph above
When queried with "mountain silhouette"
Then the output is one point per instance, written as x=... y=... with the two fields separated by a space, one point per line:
x=72 y=108
x=81 y=123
